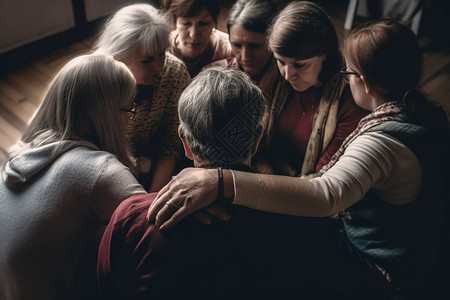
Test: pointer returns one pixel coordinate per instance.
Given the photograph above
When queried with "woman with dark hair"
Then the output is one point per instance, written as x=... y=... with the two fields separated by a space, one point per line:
x=195 y=39
x=305 y=128
x=387 y=183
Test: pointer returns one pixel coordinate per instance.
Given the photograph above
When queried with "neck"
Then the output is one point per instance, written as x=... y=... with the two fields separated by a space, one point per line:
x=203 y=164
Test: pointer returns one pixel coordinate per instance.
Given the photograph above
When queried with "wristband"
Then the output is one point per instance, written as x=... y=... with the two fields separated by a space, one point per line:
x=221 y=197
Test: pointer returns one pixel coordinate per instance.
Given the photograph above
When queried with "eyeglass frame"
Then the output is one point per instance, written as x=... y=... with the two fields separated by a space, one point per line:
x=345 y=74
x=130 y=112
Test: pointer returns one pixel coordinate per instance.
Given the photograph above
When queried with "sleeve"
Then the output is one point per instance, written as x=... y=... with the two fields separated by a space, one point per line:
x=180 y=78
x=130 y=252
x=348 y=118
x=111 y=247
x=221 y=45
x=370 y=161
x=114 y=184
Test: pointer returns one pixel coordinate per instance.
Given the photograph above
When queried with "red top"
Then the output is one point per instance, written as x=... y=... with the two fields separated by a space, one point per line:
x=295 y=125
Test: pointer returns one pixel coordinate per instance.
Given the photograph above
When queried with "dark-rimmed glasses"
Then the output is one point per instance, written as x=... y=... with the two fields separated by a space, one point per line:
x=346 y=74
x=130 y=112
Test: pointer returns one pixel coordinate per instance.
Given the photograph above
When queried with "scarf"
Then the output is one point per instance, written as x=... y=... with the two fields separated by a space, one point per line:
x=324 y=124
x=383 y=113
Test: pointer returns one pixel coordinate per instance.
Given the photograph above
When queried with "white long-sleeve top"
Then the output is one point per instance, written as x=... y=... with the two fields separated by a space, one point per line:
x=373 y=160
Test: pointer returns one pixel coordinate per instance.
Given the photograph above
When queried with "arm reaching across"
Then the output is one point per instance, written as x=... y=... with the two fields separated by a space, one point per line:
x=354 y=174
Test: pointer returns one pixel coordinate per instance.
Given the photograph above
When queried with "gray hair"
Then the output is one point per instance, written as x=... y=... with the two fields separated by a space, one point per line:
x=134 y=30
x=252 y=15
x=221 y=114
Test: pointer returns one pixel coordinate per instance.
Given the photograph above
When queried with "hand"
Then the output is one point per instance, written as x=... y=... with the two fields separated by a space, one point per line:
x=215 y=210
x=191 y=190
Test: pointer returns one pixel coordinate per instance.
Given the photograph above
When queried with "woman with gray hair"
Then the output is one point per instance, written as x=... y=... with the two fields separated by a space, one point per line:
x=138 y=35
x=62 y=182
x=221 y=117
x=221 y=113
x=247 y=24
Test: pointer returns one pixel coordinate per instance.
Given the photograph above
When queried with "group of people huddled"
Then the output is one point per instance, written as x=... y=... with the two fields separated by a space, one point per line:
x=272 y=160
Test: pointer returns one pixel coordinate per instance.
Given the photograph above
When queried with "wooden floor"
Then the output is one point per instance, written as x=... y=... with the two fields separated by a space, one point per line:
x=22 y=89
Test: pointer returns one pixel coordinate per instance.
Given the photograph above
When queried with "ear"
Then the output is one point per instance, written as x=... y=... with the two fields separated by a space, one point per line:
x=260 y=133
x=187 y=149
x=367 y=88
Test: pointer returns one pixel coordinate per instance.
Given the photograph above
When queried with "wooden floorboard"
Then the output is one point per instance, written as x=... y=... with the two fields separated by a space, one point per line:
x=22 y=89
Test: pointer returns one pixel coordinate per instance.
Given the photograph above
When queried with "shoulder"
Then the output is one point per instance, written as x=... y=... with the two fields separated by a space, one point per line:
x=175 y=71
x=174 y=64
x=91 y=159
x=221 y=43
x=219 y=36
x=134 y=209
x=380 y=148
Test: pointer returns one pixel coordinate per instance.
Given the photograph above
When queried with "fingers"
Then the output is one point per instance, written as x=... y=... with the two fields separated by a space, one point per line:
x=202 y=217
x=174 y=219
x=218 y=211
x=157 y=204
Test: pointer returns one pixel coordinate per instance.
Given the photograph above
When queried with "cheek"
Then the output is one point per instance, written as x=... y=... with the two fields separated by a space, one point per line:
x=182 y=34
x=281 y=69
x=263 y=55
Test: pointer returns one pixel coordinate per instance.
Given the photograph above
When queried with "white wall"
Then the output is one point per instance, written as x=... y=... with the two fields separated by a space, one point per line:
x=25 y=21
x=99 y=8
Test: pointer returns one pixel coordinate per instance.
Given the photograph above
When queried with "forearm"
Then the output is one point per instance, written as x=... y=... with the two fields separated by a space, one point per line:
x=284 y=194
x=371 y=160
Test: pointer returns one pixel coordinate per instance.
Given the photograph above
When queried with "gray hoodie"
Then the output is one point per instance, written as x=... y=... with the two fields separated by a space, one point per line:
x=53 y=209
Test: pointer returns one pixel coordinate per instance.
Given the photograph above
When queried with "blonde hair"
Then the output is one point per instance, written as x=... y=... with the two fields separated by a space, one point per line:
x=134 y=30
x=83 y=103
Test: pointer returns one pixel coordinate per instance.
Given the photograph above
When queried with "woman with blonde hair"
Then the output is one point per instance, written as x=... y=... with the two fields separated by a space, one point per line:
x=138 y=35
x=62 y=182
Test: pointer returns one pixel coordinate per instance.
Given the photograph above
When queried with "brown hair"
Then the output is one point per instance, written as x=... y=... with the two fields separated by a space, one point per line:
x=303 y=30
x=188 y=8
x=387 y=54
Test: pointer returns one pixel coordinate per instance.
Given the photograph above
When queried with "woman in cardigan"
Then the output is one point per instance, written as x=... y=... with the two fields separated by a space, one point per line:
x=137 y=35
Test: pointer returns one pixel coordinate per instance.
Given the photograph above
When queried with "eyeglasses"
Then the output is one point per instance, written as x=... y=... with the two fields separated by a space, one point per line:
x=346 y=74
x=130 y=112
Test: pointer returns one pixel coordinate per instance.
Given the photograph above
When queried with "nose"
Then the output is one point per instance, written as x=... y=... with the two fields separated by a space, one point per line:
x=193 y=32
x=288 y=72
x=245 y=55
